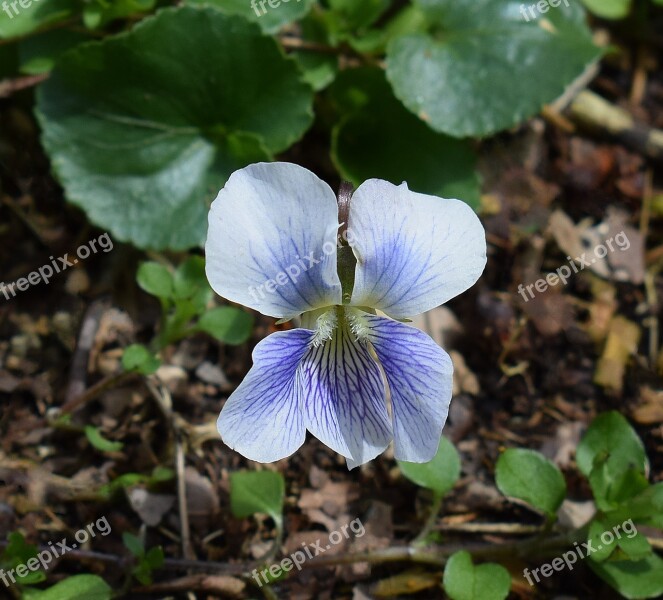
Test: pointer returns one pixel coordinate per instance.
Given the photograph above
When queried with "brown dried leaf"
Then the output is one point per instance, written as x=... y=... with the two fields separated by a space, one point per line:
x=410 y=582
x=650 y=412
x=622 y=342
x=550 y=312
x=150 y=507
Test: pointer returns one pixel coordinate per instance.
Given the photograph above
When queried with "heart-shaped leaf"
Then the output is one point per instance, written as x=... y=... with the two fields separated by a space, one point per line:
x=439 y=474
x=531 y=477
x=227 y=324
x=90 y=587
x=271 y=15
x=31 y=15
x=143 y=150
x=613 y=457
x=483 y=67
x=609 y=9
x=633 y=579
x=379 y=138
x=257 y=492
x=465 y=581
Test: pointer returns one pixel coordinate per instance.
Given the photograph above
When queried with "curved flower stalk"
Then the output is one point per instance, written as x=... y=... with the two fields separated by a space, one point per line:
x=354 y=379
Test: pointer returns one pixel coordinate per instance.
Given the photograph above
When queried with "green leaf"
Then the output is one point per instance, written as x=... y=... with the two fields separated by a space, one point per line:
x=465 y=581
x=38 y=53
x=18 y=549
x=18 y=552
x=155 y=279
x=439 y=474
x=155 y=557
x=100 y=442
x=647 y=507
x=612 y=486
x=607 y=533
x=76 y=587
x=357 y=15
x=190 y=283
x=227 y=324
x=531 y=477
x=37 y=14
x=380 y=138
x=319 y=69
x=190 y=277
x=635 y=547
x=257 y=492
x=138 y=358
x=100 y=12
x=145 y=166
x=613 y=457
x=270 y=16
x=133 y=544
x=121 y=482
x=482 y=67
x=639 y=579
x=161 y=474
x=609 y=9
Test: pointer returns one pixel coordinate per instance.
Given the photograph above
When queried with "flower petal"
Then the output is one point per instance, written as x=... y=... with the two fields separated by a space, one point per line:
x=271 y=243
x=420 y=376
x=262 y=420
x=344 y=398
x=414 y=251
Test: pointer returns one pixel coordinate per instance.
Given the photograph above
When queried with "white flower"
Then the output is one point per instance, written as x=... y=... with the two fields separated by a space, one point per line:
x=272 y=246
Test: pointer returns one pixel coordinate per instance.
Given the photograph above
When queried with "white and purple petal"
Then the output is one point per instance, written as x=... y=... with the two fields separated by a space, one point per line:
x=262 y=419
x=343 y=397
x=271 y=243
x=420 y=377
x=414 y=251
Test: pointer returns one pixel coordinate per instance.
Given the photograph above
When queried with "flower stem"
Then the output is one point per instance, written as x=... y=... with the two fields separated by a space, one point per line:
x=430 y=521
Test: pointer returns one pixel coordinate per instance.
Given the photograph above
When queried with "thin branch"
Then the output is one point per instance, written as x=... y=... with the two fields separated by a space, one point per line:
x=10 y=86
x=96 y=390
x=294 y=43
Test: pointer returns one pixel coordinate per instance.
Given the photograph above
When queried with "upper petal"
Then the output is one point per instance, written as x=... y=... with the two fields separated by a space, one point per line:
x=343 y=397
x=271 y=243
x=414 y=251
x=262 y=420
x=420 y=377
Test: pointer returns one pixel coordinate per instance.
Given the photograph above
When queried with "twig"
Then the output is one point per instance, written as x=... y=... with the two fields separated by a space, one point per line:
x=576 y=87
x=218 y=585
x=187 y=548
x=162 y=395
x=597 y=114
x=435 y=506
x=96 y=390
x=491 y=528
x=9 y=86
x=295 y=43
x=79 y=363
x=21 y=216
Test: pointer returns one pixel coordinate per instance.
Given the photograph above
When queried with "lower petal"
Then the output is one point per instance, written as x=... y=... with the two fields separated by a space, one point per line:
x=344 y=398
x=420 y=377
x=262 y=420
